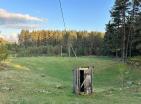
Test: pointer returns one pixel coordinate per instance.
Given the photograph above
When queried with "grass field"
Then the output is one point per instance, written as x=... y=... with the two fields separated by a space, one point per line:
x=48 y=80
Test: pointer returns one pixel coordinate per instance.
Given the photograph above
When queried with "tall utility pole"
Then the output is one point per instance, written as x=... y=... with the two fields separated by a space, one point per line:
x=64 y=23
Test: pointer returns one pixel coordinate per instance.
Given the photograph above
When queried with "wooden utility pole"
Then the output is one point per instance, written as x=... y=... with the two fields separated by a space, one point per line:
x=69 y=49
x=74 y=52
x=61 y=51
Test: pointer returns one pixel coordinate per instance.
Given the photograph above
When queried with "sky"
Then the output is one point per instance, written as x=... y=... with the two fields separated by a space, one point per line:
x=91 y=15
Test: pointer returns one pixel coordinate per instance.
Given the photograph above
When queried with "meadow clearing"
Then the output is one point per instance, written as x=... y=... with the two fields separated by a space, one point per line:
x=48 y=80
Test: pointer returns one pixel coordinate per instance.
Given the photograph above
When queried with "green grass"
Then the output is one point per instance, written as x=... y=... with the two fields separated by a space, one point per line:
x=34 y=80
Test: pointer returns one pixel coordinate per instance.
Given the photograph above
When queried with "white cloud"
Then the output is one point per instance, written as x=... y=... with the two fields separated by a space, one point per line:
x=21 y=26
x=18 y=20
x=11 y=38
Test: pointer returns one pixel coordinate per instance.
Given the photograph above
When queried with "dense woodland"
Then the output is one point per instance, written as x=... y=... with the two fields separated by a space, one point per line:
x=123 y=32
x=68 y=43
x=121 y=39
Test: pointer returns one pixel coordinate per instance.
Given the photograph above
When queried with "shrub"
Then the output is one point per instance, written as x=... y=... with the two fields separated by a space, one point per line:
x=3 y=52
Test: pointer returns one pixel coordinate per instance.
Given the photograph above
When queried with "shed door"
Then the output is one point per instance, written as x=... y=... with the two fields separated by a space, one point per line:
x=88 y=80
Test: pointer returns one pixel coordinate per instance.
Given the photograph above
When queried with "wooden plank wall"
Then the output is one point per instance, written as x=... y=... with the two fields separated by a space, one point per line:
x=76 y=80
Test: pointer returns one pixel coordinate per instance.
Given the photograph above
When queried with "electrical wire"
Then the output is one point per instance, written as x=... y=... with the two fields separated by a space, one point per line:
x=62 y=14
x=65 y=27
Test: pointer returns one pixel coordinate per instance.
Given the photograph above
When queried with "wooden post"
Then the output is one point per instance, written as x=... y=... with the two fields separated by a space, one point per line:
x=61 y=50
x=69 y=49
x=74 y=52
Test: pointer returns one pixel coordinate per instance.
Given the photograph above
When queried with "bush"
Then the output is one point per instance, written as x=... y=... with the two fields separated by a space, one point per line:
x=39 y=51
x=3 y=52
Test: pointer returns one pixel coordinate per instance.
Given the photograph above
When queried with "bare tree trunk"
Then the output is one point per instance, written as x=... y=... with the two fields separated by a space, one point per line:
x=132 y=27
x=117 y=43
x=116 y=46
x=129 y=45
x=128 y=38
x=124 y=39
x=130 y=50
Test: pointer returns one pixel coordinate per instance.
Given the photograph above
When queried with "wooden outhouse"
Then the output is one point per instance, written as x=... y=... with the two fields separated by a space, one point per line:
x=82 y=80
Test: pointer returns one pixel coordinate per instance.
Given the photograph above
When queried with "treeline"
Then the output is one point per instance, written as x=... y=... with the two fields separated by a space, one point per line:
x=123 y=32
x=68 y=43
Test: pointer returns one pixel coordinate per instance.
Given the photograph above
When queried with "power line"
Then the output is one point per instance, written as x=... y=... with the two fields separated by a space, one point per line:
x=62 y=13
x=69 y=44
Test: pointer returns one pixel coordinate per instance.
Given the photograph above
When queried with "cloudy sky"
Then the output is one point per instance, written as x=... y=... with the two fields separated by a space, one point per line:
x=89 y=15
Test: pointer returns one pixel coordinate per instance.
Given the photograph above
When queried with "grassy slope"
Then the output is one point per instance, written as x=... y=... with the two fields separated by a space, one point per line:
x=36 y=80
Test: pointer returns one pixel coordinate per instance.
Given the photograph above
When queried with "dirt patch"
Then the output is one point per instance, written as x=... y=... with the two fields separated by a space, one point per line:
x=4 y=66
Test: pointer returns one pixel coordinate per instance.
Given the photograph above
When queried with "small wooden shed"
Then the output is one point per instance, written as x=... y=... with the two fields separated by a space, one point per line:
x=82 y=80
